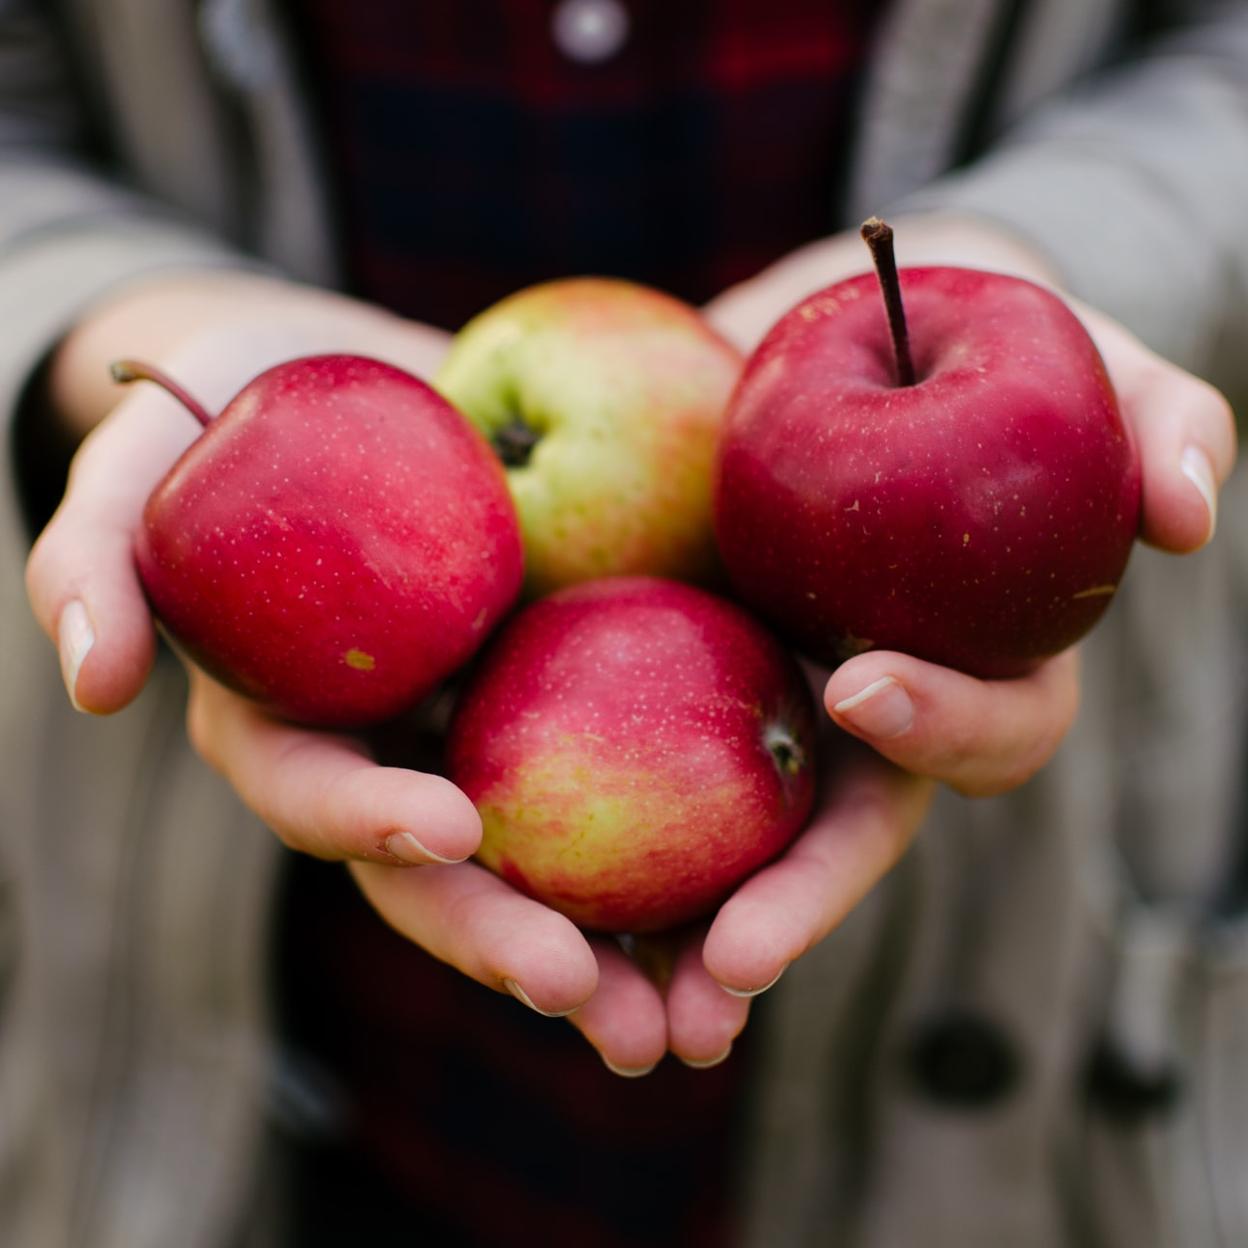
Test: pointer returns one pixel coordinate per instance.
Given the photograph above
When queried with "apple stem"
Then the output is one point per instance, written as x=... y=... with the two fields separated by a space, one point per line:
x=878 y=237
x=514 y=442
x=126 y=371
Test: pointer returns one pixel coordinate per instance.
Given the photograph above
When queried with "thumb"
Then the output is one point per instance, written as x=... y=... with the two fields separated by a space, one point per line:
x=81 y=577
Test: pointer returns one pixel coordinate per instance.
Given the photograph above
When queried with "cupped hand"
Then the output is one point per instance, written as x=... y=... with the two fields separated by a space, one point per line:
x=321 y=793
x=976 y=736
x=926 y=723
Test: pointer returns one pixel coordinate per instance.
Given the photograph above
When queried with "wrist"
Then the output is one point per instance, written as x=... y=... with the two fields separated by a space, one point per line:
x=217 y=330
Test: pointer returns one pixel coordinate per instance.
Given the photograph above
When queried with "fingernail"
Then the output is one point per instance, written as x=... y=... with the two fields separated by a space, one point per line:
x=523 y=997
x=74 y=639
x=705 y=1063
x=754 y=992
x=628 y=1072
x=1196 y=467
x=405 y=847
x=882 y=710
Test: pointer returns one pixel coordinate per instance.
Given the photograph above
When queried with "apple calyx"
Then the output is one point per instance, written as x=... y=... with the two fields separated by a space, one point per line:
x=785 y=750
x=125 y=371
x=878 y=236
x=513 y=442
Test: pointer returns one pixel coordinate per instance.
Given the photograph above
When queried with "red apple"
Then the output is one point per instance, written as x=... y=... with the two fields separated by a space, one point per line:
x=334 y=544
x=979 y=515
x=604 y=399
x=635 y=747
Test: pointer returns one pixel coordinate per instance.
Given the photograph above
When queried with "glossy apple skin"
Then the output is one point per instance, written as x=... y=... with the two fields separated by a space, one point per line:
x=616 y=743
x=334 y=544
x=981 y=518
x=627 y=387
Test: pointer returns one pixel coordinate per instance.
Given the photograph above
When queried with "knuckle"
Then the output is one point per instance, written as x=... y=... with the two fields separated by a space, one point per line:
x=1217 y=406
x=1222 y=416
x=1010 y=768
x=46 y=577
x=37 y=567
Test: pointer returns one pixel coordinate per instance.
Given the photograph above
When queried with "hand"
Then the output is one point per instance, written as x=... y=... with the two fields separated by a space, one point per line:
x=321 y=793
x=976 y=736
x=932 y=724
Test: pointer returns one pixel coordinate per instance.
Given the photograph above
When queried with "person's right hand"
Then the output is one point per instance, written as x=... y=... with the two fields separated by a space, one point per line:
x=321 y=793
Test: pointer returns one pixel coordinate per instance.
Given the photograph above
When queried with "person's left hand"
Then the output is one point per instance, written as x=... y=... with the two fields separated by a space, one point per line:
x=926 y=723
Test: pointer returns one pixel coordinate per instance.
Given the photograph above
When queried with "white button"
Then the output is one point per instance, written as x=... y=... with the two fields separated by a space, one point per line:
x=589 y=31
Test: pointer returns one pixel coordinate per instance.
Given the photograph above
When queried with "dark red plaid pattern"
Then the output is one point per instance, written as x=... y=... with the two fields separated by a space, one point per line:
x=475 y=158
x=472 y=157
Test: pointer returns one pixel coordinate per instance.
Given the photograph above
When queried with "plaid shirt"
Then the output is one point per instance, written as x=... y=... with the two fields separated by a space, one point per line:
x=475 y=157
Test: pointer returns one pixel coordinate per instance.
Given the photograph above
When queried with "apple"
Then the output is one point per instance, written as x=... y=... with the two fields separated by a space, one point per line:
x=974 y=507
x=334 y=544
x=604 y=400
x=635 y=747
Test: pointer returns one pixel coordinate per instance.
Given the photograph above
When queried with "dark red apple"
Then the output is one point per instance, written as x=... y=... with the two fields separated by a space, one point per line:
x=334 y=544
x=979 y=515
x=635 y=747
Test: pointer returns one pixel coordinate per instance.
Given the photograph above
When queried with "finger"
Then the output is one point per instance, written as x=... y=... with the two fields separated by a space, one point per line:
x=81 y=577
x=978 y=736
x=322 y=794
x=1185 y=434
x=780 y=913
x=472 y=920
x=625 y=1019
x=702 y=1019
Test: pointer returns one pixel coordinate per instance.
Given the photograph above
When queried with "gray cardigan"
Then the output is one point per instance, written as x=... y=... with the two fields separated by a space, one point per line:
x=136 y=1067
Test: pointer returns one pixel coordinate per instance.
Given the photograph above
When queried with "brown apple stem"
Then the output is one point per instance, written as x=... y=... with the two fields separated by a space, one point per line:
x=878 y=236
x=126 y=371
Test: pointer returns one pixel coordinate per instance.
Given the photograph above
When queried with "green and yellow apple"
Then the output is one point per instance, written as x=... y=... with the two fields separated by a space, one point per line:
x=604 y=401
x=635 y=747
